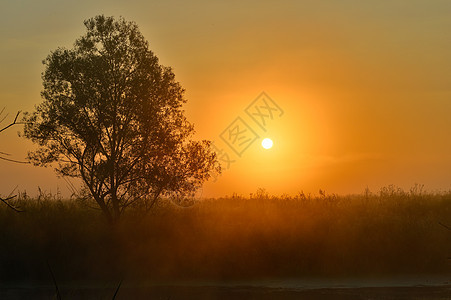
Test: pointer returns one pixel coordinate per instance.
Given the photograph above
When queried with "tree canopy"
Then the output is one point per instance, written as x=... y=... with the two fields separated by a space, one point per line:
x=112 y=116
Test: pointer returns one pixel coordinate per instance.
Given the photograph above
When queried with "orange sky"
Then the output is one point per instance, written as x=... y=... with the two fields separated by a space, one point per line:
x=365 y=88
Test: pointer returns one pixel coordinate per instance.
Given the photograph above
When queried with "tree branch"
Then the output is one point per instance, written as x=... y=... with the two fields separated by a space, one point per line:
x=9 y=205
x=447 y=227
x=13 y=123
x=14 y=161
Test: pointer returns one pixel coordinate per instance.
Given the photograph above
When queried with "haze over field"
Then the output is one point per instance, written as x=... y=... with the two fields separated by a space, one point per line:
x=365 y=88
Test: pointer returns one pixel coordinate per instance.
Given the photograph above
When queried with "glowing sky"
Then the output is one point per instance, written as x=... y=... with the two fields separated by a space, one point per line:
x=365 y=86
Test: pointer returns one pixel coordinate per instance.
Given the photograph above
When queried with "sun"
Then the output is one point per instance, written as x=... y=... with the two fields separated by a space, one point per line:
x=267 y=143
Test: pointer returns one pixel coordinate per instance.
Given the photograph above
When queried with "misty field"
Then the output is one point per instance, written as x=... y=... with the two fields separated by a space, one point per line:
x=388 y=233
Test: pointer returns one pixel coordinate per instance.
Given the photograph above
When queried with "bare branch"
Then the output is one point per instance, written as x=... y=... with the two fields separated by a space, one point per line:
x=57 y=291
x=13 y=123
x=1 y=112
x=447 y=227
x=117 y=290
x=13 y=160
x=9 y=205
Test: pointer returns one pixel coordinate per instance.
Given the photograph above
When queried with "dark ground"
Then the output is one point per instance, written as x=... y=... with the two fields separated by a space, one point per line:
x=200 y=293
x=391 y=245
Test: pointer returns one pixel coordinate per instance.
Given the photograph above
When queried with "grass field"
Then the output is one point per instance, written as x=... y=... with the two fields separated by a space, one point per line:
x=235 y=238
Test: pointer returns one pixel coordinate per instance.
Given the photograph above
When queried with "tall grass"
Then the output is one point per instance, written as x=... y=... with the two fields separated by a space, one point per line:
x=388 y=232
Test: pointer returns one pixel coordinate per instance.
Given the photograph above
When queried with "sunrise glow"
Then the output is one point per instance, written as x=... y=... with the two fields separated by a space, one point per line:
x=351 y=104
x=267 y=143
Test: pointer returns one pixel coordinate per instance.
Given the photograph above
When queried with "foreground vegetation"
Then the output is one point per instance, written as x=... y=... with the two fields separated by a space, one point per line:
x=389 y=232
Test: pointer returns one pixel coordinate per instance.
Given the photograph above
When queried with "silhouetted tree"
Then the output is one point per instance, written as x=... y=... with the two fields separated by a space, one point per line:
x=112 y=116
